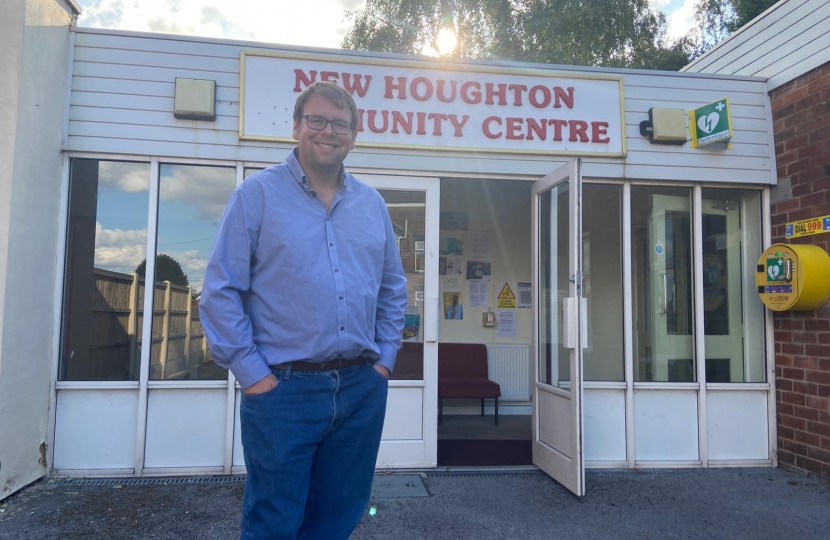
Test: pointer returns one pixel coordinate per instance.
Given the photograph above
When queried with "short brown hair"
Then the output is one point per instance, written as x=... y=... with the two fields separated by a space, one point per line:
x=337 y=95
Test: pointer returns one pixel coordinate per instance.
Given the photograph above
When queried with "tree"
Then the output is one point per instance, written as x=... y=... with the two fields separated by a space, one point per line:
x=716 y=19
x=167 y=269
x=610 y=33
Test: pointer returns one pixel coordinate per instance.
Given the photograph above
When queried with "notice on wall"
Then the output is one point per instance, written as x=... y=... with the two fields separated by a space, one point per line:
x=452 y=245
x=507 y=300
x=478 y=293
x=478 y=270
x=454 y=265
x=453 y=306
x=480 y=246
x=506 y=323
x=451 y=284
x=525 y=296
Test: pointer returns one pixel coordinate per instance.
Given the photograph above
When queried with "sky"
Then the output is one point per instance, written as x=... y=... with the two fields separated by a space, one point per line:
x=315 y=23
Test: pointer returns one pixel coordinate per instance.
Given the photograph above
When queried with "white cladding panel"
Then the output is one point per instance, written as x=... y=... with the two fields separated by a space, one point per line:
x=122 y=102
x=783 y=43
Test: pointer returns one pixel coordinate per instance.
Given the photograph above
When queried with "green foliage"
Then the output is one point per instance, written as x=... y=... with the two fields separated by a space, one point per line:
x=609 y=33
x=167 y=269
x=716 y=19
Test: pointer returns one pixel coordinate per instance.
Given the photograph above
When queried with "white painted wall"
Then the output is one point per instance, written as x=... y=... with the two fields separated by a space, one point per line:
x=34 y=43
x=122 y=102
x=783 y=43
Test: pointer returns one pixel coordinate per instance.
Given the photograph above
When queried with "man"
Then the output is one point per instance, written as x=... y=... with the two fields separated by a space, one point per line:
x=455 y=311
x=304 y=301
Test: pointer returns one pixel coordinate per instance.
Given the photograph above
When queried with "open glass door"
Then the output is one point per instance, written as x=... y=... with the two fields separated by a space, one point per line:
x=558 y=327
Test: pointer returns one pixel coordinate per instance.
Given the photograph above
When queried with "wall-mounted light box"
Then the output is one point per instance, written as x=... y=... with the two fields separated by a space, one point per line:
x=665 y=126
x=195 y=99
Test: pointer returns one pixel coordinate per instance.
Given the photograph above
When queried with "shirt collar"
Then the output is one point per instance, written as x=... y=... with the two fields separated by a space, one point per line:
x=297 y=172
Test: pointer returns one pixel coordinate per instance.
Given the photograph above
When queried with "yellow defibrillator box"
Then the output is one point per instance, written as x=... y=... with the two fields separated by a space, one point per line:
x=793 y=277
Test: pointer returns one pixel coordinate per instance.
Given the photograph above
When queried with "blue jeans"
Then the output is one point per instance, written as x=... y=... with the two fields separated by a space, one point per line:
x=310 y=446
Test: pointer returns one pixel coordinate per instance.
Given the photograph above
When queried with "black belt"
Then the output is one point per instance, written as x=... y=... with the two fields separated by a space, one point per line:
x=328 y=366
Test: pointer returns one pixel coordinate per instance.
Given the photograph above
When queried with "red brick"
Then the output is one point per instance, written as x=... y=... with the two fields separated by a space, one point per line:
x=786 y=433
x=805 y=362
x=813 y=199
x=808 y=389
x=823 y=391
x=818 y=428
x=818 y=135
x=792 y=348
x=806 y=413
x=783 y=360
x=825 y=442
x=794 y=447
x=783 y=335
x=792 y=422
x=817 y=325
x=794 y=374
x=793 y=398
x=819 y=377
x=818 y=454
x=818 y=403
x=808 y=464
x=786 y=457
x=803 y=337
x=818 y=350
x=824 y=364
x=824 y=417
x=802 y=189
x=787 y=409
x=789 y=323
x=786 y=206
x=807 y=438
x=784 y=385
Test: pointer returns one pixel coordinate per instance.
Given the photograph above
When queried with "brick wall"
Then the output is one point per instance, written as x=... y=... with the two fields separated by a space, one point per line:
x=801 y=112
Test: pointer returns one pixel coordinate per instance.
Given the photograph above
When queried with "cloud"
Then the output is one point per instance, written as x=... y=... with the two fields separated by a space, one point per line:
x=130 y=177
x=119 y=250
x=206 y=188
x=682 y=19
x=310 y=22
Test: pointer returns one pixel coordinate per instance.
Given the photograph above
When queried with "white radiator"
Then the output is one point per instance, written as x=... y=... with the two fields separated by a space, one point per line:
x=509 y=365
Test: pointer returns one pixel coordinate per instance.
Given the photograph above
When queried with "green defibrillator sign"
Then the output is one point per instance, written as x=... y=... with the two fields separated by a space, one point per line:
x=711 y=123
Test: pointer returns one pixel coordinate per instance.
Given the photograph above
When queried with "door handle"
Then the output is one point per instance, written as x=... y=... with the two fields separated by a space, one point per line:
x=665 y=294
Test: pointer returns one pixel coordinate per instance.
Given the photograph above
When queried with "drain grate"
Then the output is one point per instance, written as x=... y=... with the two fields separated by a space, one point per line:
x=483 y=474
x=145 y=481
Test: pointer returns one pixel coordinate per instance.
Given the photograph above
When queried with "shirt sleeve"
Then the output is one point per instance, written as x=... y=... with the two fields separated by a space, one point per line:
x=389 y=319
x=227 y=280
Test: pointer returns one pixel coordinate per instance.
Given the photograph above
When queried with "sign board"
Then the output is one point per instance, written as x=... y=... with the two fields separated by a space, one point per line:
x=453 y=221
x=441 y=106
x=507 y=300
x=711 y=123
x=808 y=227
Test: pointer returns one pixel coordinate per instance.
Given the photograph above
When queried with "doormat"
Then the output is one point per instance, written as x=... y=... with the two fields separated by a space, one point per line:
x=393 y=486
x=484 y=453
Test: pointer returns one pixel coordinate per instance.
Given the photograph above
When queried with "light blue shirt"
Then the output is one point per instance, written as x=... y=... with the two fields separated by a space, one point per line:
x=288 y=280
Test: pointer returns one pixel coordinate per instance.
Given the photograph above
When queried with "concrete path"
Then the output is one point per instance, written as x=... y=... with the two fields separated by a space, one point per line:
x=711 y=504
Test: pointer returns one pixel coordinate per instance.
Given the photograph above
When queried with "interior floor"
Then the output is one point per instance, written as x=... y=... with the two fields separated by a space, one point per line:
x=474 y=441
x=469 y=426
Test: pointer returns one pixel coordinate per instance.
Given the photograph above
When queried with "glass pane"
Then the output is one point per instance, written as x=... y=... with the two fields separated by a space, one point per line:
x=408 y=212
x=661 y=238
x=103 y=294
x=733 y=315
x=191 y=201
x=554 y=219
x=251 y=170
x=602 y=281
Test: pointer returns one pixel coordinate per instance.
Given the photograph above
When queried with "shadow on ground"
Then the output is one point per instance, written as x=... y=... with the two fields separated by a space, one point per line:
x=662 y=504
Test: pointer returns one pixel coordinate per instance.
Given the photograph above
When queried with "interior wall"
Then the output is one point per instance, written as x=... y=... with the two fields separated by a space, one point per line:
x=30 y=205
x=502 y=208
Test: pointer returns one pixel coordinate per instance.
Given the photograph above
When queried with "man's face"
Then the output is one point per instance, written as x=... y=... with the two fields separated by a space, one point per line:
x=454 y=299
x=323 y=150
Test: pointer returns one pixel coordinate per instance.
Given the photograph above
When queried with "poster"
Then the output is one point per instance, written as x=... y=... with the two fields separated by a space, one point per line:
x=480 y=246
x=525 y=296
x=453 y=306
x=451 y=284
x=478 y=293
x=455 y=246
x=506 y=321
x=506 y=298
x=478 y=270
x=442 y=266
x=454 y=265
x=411 y=326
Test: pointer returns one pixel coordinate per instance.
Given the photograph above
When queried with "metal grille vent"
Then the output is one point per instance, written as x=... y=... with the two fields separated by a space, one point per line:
x=784 y=88
x=483 y=474
x=144 y=481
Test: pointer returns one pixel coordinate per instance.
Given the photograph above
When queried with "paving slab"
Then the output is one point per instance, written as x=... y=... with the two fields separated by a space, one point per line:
x=481 y=505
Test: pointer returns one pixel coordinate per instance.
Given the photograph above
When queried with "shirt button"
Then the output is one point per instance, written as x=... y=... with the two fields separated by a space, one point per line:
x=341 y=298
x=336 y=269
x=331 y=243
x=313 y=194
x=342 y=328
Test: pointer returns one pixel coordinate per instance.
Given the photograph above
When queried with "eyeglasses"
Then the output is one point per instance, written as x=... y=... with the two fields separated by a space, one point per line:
x=318 y=123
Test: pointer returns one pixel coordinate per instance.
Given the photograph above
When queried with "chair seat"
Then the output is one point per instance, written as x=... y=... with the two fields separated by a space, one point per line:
x=458 y=387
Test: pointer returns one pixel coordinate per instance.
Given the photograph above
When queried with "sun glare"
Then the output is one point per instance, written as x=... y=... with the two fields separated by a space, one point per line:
x=446 y=41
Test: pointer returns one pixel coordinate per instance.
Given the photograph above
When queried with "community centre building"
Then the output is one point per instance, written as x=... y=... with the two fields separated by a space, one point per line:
x=587 y=239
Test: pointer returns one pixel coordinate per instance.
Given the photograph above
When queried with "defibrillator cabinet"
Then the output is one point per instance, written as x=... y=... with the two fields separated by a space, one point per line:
x=793 y=277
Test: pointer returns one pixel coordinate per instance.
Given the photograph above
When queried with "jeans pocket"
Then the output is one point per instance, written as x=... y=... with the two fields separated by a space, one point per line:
x=266 y=393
